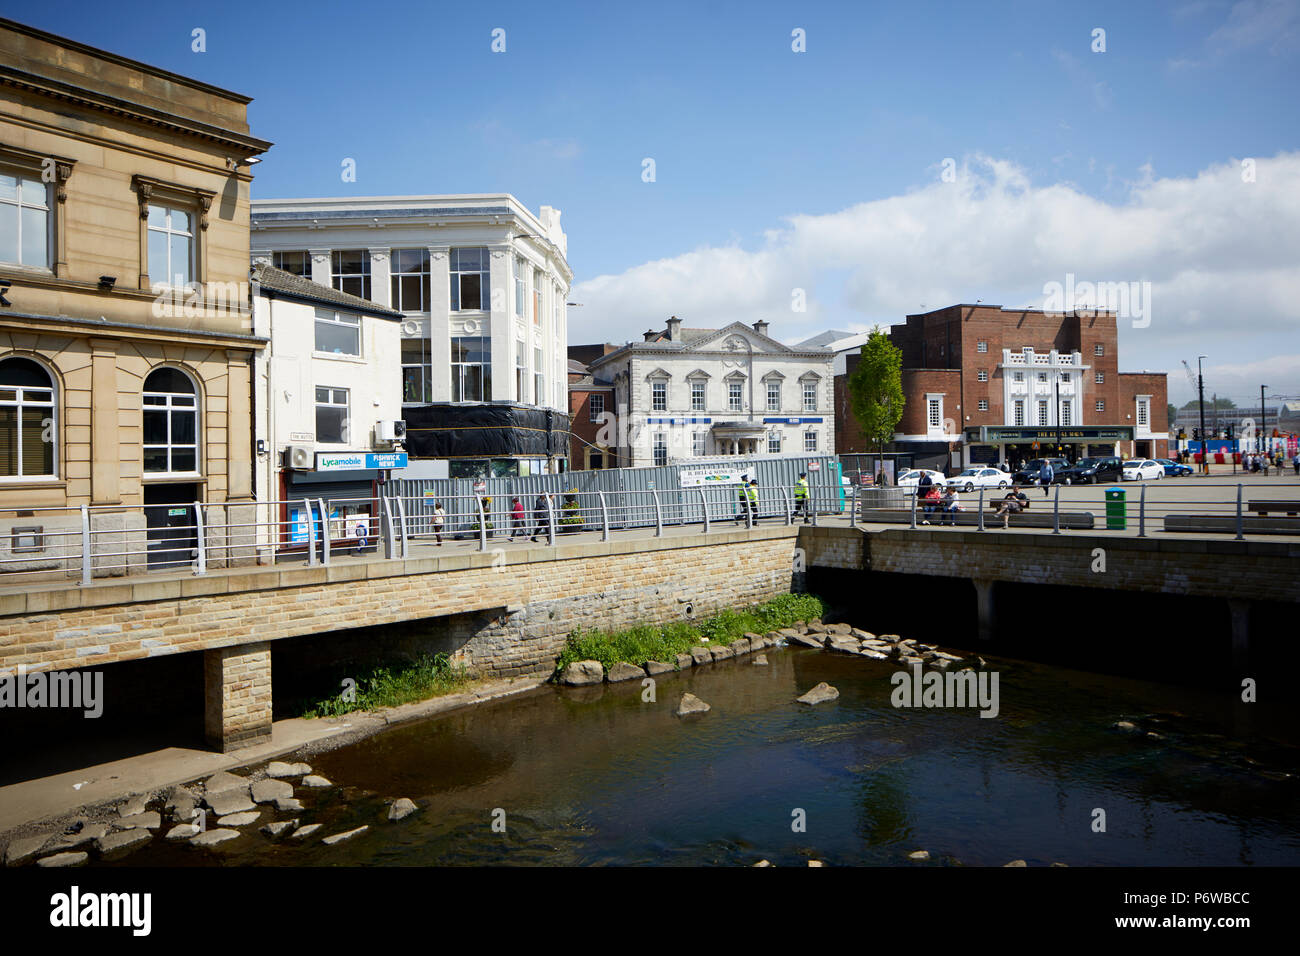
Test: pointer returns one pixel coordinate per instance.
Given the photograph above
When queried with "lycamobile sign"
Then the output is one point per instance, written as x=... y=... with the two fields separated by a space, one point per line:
x=359 y=460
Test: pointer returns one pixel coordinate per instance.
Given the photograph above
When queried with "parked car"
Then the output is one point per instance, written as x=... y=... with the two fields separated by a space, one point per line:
x=1028 y=475
x=1089 y=471
x=973 y=478
x=1172 y=468
x=1140 y=469
x=909 y=479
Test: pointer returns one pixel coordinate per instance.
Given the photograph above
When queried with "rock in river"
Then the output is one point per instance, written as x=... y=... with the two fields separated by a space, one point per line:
x=684 y=661
x=760 y=659
x=348 y=835
x=581 y=673
x=122 y=842
x=401 y=809
x=690 y=704
x=701 y=655
x=316 y=782
x=819 y=694
x=213 y=837
x=64 y=859
x=278 y=769
x=654 y=668
x=270 y=790
x=622 y=671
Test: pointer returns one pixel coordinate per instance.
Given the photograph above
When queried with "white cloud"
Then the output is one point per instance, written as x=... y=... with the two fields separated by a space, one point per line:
x=1221 y=256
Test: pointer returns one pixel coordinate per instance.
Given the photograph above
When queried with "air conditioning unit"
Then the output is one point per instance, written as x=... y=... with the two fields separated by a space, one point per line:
x=390 y=431
x=299 y=457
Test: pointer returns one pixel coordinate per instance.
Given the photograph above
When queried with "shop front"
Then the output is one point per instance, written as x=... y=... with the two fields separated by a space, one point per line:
x=991 y=445
x=345 y=487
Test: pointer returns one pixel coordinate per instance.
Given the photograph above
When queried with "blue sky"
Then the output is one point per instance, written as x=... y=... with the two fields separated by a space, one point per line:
x=757 y=147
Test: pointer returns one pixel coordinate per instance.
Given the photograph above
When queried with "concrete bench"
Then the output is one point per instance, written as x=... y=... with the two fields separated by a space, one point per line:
x=1264 y=505
x=1227 y=524
x=1076 y=520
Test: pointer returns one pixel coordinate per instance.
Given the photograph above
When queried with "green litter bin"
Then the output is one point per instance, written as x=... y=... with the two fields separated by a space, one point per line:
x=1116 y=509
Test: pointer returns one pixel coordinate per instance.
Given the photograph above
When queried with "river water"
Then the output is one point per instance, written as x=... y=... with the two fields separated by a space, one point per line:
x=596 y=776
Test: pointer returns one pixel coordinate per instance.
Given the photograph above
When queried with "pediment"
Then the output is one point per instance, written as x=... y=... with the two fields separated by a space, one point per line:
x=736 y=337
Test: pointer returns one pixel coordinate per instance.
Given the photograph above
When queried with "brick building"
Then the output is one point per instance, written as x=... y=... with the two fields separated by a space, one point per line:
x=592 y=426
x=987 y=384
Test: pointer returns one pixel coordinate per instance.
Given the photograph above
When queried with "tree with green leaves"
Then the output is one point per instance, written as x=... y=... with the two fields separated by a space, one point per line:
x=876 y=389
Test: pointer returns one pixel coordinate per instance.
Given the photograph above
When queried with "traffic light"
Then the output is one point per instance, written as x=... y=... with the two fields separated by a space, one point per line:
x=1196 y=434
x=1230 y=431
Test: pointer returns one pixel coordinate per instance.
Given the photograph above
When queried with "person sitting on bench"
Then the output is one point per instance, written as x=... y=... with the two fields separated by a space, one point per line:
x=1014 y=503
x=951 y=503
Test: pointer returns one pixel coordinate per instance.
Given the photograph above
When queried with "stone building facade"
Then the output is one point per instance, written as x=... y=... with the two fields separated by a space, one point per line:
x=126 y=347
x=685 y=393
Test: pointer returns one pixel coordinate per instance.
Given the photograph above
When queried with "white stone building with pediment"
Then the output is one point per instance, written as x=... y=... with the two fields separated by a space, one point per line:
x=687 y=393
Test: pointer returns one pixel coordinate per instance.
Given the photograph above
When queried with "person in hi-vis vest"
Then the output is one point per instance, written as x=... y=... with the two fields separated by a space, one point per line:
x=801 y=496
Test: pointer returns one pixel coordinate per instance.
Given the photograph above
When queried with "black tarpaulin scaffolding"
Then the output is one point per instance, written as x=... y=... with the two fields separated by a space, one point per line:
x=485 y=431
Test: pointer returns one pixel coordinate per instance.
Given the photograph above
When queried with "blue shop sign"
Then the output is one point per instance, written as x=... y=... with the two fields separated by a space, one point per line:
x=359 y=460
x=792 y=421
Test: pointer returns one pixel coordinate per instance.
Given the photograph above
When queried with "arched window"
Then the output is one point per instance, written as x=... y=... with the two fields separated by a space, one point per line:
x=171 y=423
x=28 y=430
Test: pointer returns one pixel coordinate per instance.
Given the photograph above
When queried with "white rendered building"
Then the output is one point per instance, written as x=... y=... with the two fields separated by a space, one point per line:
x=683 y=394
x=327 y=392
x=482 y=284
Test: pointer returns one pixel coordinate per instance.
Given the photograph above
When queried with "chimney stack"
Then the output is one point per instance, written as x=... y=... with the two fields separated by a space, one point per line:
x=651 y=335
x=674 y=329
x=761 y=327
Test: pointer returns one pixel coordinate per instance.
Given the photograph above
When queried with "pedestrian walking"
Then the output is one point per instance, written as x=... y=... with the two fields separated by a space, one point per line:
x=439 y=520
x=742 y=499
x=518 y=521
x=1045 y=475
x=541 y=517
x=751 y=497
x=801 y=496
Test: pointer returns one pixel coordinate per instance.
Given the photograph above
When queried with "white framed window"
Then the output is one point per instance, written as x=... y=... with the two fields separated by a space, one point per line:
x=774 y=443
x=984 y=404
x=28 y=424
x=1099 y=349
x=1099 y=378
x=661 y=449
x=24 y=219
x=1020 y=376
x=981 y=346
x=810 y=440
x=350 y=271
x=471 y=279
x=735 y=396
x=296 y=263
x=595 y=407
x=539 y=378
x=521 y=372
x=332 y=419
x=773 y=396
x=1067 y=412
x=1144 y=412
x=659 y=396
x=810 y=396
x=417 y=372
x=537 y=297
x=697 y=396
x=1101 y=405
x=471 y=368
x=171 y=423
x=171 y=245
x=1042 y=413
x=1042 y=376
x=1019 y=417
x=697 y=444
x=982 y=375
x=933 y=413
x=410 y=280
x=338 y=332
x=521 y=286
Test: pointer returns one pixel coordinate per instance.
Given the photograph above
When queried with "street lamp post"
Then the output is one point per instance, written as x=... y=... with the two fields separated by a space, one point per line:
x=1205 y=444
x=1263 y=420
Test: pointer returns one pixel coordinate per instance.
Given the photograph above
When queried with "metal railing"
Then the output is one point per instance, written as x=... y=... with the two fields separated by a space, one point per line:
x=1131 y=507
x=84 y=544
